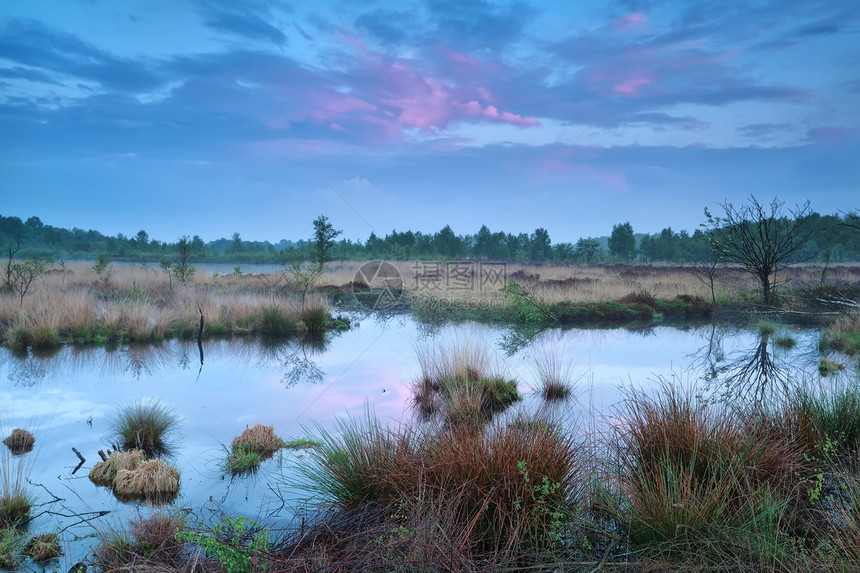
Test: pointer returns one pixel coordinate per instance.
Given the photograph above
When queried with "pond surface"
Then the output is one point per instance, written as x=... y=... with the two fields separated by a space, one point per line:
x=67 y=398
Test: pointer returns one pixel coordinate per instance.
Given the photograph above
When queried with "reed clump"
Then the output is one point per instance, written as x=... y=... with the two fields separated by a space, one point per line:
x=150 y=543
x=145 y=425
x=131 y=476
x=510 y=486
x=20 y=441
x=697 y=480
x=461 y=382
x=43 y=547
x=554 y=373
x=254 y=446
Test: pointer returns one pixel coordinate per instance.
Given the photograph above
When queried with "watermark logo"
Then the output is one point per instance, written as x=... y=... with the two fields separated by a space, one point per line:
x=377 y=285
x=477 y=277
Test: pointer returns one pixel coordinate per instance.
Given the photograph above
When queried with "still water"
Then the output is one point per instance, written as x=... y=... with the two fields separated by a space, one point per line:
x=67 y=398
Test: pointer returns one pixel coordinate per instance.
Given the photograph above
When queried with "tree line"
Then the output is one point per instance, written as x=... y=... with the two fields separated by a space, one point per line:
x=830 y=238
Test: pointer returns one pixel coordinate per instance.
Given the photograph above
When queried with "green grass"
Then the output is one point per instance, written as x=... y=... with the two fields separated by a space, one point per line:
x=243 y=461
x=785 y=341
x=302 y=444
x=829 y=367
x=11 y=543
x=14 y=511
x=147 y=426
x=767 y=327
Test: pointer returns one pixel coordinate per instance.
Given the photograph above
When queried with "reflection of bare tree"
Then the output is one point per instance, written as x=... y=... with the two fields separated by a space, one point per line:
x=709 y=357
x=752 y=378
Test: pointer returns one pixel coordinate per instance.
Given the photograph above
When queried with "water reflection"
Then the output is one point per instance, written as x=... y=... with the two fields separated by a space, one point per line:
x=754 y=373
x=294 y=358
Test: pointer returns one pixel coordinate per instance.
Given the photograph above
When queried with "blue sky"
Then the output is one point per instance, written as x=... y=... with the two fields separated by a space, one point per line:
x=215 y=117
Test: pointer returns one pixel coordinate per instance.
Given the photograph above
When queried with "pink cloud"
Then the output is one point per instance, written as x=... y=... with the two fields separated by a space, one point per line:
x=387 y=96
x=632 y=20
x=474 y=109
x=630 y=86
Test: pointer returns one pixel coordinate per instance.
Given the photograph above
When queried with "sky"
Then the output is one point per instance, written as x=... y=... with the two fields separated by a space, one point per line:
x=212 y=117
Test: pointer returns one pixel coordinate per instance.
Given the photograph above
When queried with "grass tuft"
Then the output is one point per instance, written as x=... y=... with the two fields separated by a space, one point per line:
x=254 y=446
x=829 y=367
x=153 y=481
x=20 y=441
x=554 y=374
x=43 y=547
x=146 y=426
x=511 y=486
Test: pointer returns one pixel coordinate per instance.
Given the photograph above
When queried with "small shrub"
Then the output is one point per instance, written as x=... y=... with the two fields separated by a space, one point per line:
x=238 y=544
x=146 y=426
x=20 y=441
x=43 y=547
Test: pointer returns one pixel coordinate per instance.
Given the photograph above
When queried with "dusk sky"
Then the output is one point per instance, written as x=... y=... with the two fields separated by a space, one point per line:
x=216 y=117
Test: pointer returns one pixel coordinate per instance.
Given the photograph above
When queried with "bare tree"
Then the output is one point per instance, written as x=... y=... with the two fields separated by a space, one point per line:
x=23 y=275
x=759 y=237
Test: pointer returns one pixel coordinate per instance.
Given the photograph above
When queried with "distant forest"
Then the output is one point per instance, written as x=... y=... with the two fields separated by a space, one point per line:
x=829 y=239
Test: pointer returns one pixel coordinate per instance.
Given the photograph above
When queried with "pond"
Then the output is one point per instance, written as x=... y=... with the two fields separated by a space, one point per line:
x=67 y=398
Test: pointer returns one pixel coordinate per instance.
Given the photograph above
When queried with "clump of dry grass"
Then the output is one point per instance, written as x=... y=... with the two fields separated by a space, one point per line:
x=20 y=441
x=104 y=473
x=149 y=544
x=252 y=447
x=260 y=439
x=510 y=485
x=43 y=547
x=131 y=476
x=152 y=480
